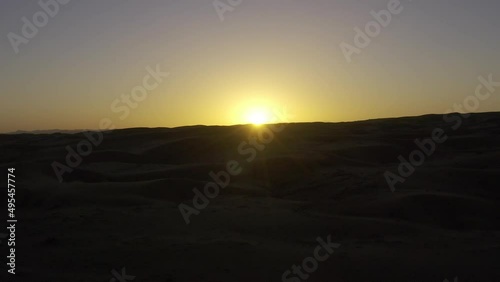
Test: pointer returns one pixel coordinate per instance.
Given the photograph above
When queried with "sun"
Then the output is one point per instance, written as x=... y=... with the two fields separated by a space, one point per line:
x=258 y=117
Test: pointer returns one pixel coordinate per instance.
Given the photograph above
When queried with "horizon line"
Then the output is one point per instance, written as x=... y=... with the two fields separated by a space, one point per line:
x=76 y=131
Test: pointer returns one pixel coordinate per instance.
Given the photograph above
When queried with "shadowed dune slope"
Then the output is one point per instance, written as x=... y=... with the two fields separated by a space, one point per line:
x=119 y=206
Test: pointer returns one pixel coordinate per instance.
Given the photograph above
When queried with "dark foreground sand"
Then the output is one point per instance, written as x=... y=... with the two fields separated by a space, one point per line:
x=119 y=208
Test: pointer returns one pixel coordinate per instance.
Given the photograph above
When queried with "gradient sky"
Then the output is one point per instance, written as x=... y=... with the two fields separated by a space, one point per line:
x=266 y=53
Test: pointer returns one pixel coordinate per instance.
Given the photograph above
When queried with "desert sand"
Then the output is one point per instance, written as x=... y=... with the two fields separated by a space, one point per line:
x=120 y=206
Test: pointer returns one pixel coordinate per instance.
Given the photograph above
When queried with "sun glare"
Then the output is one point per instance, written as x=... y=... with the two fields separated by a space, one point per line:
x=258 y=117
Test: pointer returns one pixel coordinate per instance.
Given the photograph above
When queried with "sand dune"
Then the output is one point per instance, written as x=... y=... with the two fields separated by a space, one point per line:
x=119 y=207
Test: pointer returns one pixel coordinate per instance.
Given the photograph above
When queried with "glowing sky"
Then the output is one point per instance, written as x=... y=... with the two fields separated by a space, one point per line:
x=266 y=54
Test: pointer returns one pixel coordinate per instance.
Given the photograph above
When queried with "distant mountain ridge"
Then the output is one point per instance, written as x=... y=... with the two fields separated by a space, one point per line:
x=73 y=131
x=48 y=131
